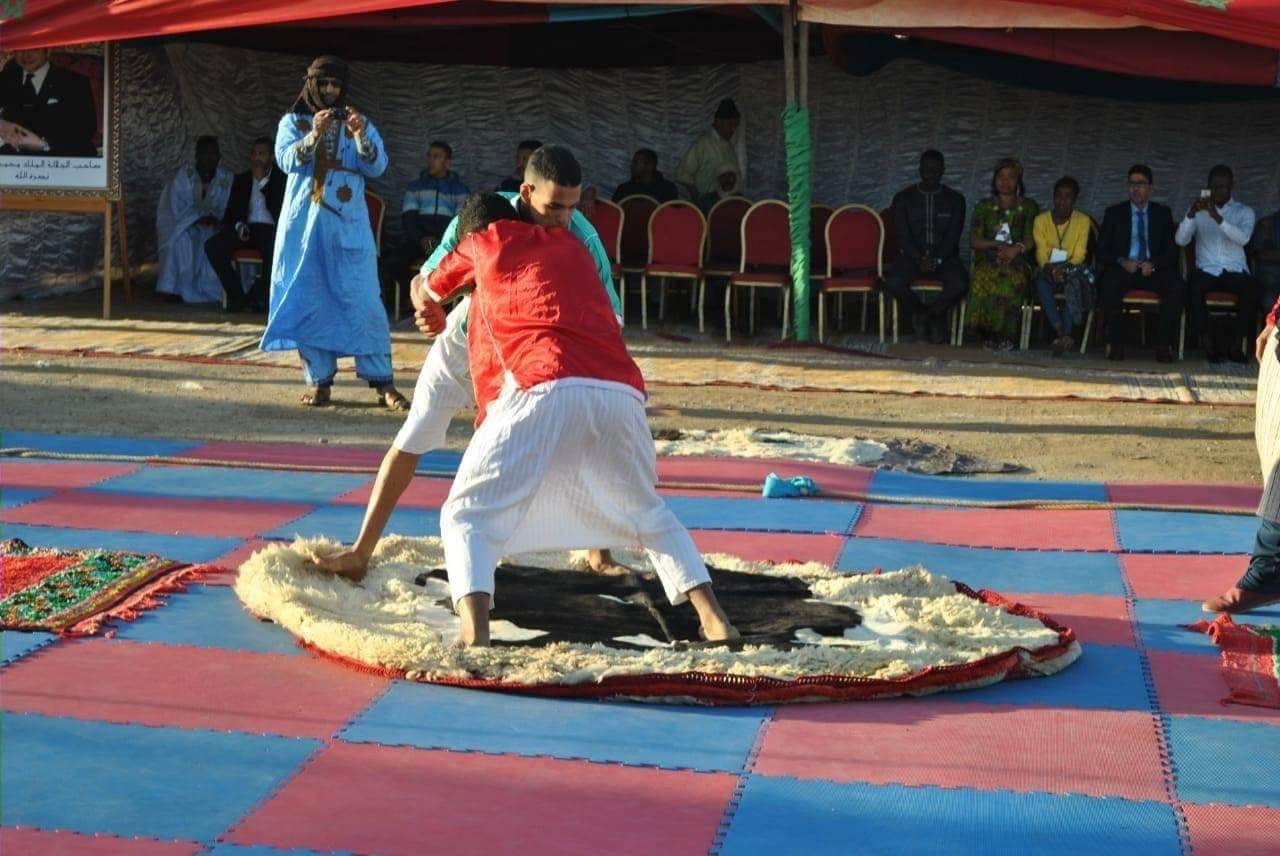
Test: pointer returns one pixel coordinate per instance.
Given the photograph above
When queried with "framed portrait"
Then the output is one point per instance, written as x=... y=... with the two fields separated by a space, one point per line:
x=60 y=121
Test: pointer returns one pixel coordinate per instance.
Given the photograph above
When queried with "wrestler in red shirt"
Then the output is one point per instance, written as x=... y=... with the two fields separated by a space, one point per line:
x=538 y=311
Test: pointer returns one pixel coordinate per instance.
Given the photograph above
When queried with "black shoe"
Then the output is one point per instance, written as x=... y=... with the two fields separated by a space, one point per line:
x=1115 y=353
x=1164 y=355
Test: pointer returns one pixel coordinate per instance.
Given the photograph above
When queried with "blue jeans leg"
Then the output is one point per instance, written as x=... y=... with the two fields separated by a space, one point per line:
x=1044 y=291
x=1263 y=573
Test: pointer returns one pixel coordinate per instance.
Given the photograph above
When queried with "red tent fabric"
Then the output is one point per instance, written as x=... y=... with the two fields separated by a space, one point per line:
x=1170 y=55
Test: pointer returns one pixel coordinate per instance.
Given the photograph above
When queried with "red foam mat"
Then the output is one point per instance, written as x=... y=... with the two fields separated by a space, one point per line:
x=181 y=686
x=776 y=547
x=1234 y=496
x=422 y=492
x=1227 y=830
x=58 y=475
x=467 y=802
x=989 y=747
x=1096 y=619
x=1017 y=529
x=24 y=841
x=289 y=454
x=164 y=515
x=1192 y=685
x=832 y=479
x=1181 y=577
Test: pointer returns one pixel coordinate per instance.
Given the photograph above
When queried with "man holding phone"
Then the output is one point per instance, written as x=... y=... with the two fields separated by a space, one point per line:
x=1221 y=227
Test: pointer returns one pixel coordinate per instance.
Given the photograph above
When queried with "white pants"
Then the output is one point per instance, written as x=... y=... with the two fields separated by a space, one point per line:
x=443 y=388
x=555 y=467
x=1266 y=431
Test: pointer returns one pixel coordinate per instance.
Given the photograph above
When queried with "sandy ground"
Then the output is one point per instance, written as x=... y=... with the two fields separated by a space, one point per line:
x=1050 y=439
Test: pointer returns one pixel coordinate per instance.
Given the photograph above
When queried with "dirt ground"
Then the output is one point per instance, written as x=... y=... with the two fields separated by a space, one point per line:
x=1050 y=439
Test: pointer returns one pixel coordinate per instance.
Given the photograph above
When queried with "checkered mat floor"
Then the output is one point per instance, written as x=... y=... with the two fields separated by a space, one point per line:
x=197 y=729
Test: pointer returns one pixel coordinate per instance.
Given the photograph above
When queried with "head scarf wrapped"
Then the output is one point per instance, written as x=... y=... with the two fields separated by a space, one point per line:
x=309 y=100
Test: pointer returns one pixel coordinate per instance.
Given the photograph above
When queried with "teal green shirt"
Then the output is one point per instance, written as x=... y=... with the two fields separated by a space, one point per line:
x=579 y=225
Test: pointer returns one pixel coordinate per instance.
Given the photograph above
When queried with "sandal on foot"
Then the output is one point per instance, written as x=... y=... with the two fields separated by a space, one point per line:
x=318 y=396
x=392 y=399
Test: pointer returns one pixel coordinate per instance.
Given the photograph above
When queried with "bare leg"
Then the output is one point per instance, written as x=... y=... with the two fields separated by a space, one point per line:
x=473 y=615
x=715 y=624
x=394 y=476
x=602 y=562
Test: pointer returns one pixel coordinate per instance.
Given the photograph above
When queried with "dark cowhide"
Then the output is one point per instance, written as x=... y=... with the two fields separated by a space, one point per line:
x=578 y=606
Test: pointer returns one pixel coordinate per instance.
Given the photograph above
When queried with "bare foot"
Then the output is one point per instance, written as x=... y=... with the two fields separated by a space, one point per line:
x=719 y=631
x=601 y=562
x=316 y=396
x=347 y=563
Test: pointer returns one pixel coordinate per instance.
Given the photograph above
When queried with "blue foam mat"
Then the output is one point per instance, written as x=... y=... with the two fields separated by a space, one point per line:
x=209 y=617
x=889 y=483
x=234 y=483
x=681 y=736
x=784 y=815
x=72 y=444
x=439 y=462
x=1185 y=532
x=1224 y=760
x=16 y=644
x=132 y=780
x=1159 y=627
x=12 y=497
x=180 y=548
x=1106 y=677
x=999 y=570
x=342 y=523
x=766 y=515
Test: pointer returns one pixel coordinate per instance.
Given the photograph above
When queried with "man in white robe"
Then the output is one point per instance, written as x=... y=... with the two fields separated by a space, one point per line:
x=189 y=214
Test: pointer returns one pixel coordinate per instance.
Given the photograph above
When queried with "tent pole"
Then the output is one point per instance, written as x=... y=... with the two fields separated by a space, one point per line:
x=789 y=51
x=803 y=63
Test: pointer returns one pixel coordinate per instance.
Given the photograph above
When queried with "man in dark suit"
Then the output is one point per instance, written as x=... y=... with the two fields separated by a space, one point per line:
x=253 y=209
x=47 y=110
x=1137 y=251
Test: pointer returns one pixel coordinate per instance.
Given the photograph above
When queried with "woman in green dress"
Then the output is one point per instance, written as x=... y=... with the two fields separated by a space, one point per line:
x=1003 y=248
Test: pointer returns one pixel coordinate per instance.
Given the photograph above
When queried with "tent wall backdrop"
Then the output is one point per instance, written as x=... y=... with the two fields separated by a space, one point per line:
x=867 y=133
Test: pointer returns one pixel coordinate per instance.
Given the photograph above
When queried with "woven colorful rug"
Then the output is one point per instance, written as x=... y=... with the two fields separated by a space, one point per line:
x=74 y=592
x=1250 y=660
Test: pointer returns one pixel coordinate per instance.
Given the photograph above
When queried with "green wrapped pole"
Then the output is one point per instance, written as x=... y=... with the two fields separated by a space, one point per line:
x=795 y=123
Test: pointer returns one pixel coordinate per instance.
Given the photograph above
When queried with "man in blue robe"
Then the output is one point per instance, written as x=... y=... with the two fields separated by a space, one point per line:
x=325 y=298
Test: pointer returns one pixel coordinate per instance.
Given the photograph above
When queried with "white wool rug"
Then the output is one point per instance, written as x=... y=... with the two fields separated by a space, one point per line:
x=912 y=633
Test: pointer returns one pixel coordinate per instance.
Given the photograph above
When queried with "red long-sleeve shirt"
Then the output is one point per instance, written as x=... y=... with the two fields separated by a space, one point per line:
x=538 y=311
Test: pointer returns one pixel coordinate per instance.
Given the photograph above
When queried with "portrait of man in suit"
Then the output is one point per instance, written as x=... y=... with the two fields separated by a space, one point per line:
x=45 y=109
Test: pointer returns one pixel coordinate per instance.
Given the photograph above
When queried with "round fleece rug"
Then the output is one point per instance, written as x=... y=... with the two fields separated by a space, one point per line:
x=809 y=633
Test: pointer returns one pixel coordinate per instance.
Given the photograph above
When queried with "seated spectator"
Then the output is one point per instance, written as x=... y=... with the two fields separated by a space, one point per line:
x=1221 y=227
x=430 y=203
x=928 y=220
x=1266 y=258
x=1062 y=250
x=511 y=184
x=189 y=213
x=1136 y=251
x=646 y=179
x=702 y=165
x=249 y=222
x=1001 y=238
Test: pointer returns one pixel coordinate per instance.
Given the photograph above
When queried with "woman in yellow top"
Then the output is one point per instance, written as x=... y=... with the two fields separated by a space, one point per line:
x=1062 y=249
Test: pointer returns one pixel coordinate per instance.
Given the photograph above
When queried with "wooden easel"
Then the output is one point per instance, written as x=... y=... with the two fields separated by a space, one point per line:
x=85 y=205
